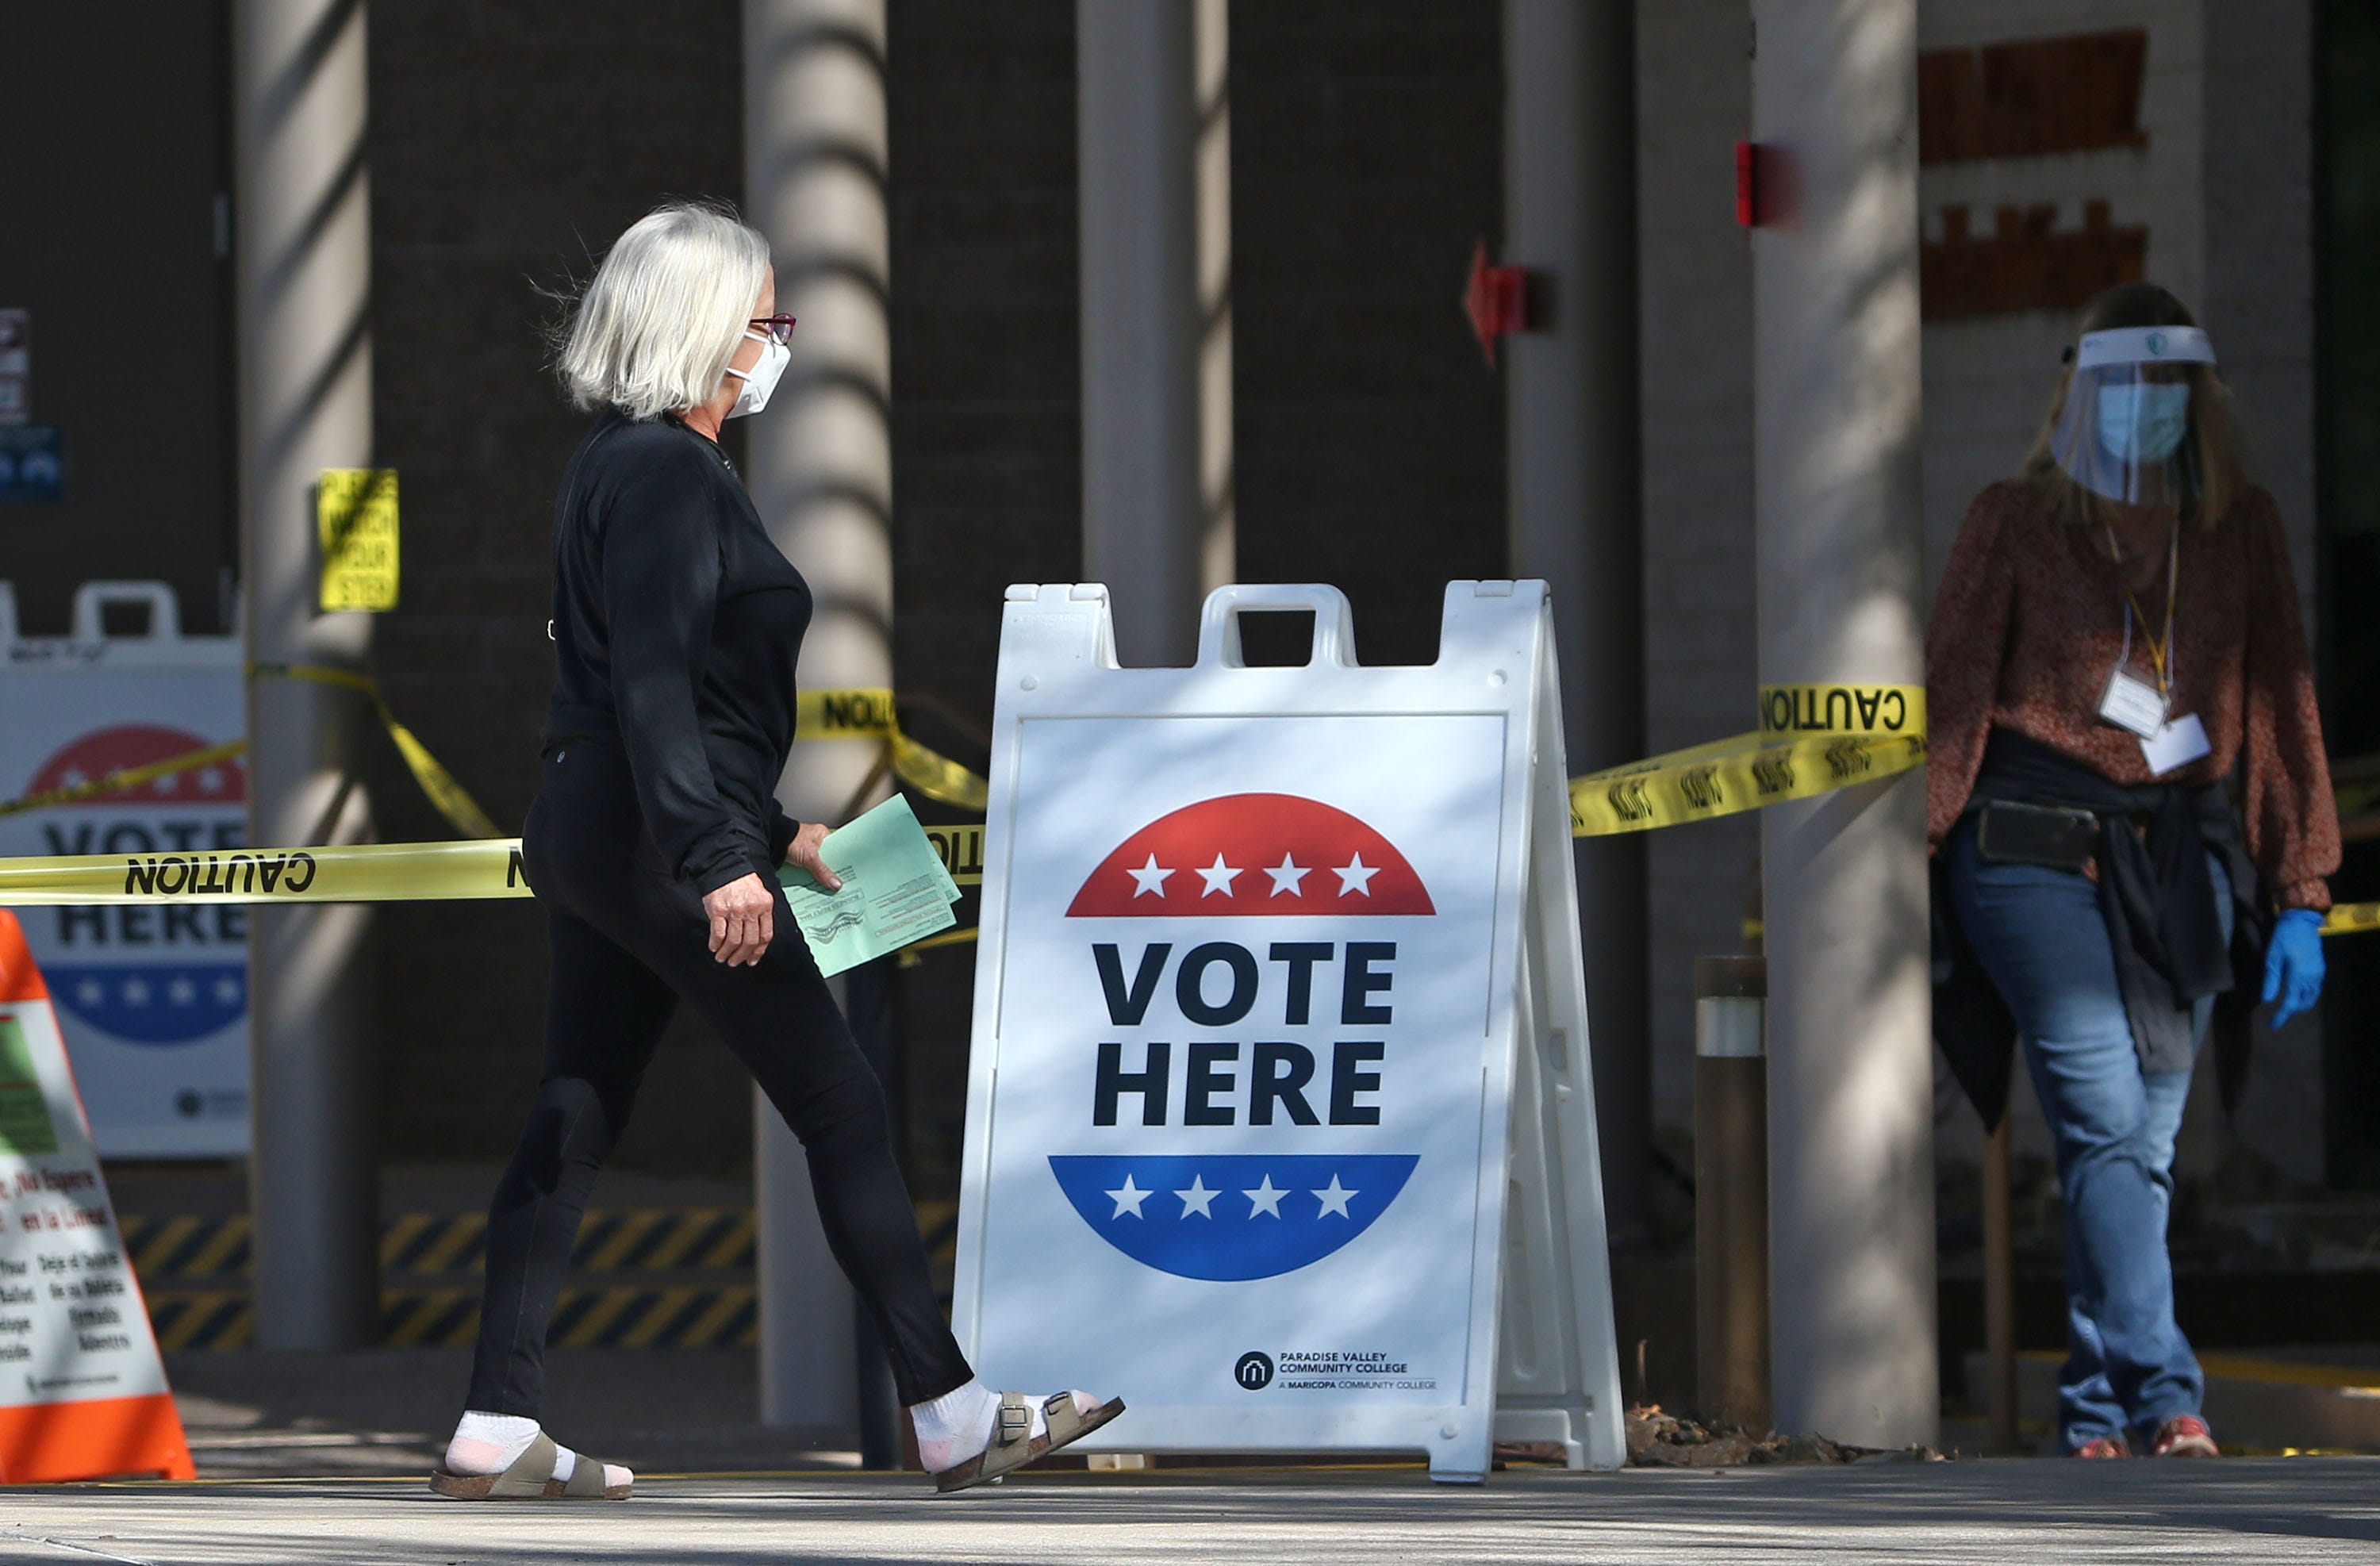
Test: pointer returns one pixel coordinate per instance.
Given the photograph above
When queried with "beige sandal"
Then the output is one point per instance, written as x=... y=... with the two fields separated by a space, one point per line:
x=530 y=1477
x=1014 y=1444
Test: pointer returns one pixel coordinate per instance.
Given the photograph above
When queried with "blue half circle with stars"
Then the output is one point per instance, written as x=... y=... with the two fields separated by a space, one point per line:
x=1234 y=1217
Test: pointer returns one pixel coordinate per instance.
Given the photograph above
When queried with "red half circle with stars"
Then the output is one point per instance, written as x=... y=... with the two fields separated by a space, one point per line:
x=125 y=745
x=1252 y=854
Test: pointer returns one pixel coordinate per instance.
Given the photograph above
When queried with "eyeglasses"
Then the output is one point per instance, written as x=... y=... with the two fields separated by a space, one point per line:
x=778 y=328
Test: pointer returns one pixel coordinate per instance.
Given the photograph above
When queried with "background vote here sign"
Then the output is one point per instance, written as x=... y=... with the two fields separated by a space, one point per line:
x=1243 y=1034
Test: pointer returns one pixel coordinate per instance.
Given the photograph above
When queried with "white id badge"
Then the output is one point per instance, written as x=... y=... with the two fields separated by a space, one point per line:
x=2135 y=705
x=2177 y=744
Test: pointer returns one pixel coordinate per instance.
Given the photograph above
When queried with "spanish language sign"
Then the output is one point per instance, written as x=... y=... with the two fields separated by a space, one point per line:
x=82 y=1389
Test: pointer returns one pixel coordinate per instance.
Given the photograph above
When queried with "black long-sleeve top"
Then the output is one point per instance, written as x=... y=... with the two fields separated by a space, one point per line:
x=677 y=627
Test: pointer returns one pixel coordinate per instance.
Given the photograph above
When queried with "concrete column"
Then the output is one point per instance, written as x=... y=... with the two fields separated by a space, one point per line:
x=819 y=463
x=1569 y=142
x=1155 y=190
x=1836 y=425
x=303 y=261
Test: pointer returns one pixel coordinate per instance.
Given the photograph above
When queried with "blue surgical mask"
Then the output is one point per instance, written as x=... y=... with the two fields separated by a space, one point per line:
x=2143 y=421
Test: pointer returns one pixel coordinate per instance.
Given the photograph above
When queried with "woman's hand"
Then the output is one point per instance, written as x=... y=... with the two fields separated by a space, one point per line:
x=743 y=920
x=2293 y=965
x=804 y=854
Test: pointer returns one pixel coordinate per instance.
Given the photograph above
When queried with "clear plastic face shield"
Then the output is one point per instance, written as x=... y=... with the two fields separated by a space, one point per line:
x=2125 y=430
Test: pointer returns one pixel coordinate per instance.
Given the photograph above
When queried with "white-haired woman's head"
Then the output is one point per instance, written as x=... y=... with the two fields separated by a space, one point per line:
x=653 y=332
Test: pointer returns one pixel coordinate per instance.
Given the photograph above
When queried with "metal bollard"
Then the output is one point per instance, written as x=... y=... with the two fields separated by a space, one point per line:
x=1732 y=1190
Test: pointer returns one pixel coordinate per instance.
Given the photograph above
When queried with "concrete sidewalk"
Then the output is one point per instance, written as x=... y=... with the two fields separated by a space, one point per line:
x=2298 y=1511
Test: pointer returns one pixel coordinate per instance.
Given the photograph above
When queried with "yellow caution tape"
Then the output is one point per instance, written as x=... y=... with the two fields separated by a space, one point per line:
x=961 y=847
x=449 y=797
x=832 y=714
x=452 y=801
x=844 y=714
x=2351 y=918
x=126 y=777
x=1887 y=710
x=867 y=713
x=392 y=872
x=1812 y=740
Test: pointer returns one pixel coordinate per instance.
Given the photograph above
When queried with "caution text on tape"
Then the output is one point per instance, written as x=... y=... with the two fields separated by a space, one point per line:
x=1812 y=739
x=869 y=713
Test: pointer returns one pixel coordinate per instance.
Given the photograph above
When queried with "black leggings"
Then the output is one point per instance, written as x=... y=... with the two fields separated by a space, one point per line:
x=628 y=941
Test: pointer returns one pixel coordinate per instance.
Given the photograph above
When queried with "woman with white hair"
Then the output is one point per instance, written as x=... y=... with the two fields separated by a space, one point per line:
x=654 y=842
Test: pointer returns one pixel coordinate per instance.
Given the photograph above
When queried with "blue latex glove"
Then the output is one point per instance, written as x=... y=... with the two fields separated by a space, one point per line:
x=2293 y=964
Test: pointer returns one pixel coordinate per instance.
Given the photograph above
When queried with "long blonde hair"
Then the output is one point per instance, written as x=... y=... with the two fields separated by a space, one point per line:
x=2214 y=442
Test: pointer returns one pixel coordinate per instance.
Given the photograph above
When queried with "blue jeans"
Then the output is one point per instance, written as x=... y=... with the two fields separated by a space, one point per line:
x=2041 y=938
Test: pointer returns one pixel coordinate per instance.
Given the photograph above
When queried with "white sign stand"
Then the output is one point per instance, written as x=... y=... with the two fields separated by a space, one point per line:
x=1279 y=1123
x=153 y=1001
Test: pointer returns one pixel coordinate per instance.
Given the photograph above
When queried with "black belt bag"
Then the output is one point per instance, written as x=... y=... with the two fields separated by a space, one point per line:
x=2054 y=836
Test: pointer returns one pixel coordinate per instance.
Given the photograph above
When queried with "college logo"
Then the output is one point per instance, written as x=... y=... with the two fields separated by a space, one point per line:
x=1253 y=1371
x=1312 y=1017
x=145 y=975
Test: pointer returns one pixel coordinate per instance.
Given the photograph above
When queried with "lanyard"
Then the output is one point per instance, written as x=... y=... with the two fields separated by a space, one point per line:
x=2160 y=650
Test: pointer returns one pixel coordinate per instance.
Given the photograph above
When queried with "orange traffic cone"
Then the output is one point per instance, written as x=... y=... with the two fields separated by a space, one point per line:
x=82 y=1387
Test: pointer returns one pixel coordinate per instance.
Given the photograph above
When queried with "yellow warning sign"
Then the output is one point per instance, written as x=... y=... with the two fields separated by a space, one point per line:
x=355 y=514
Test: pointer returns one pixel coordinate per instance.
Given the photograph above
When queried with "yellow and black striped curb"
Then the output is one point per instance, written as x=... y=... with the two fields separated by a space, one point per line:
x=685 y=1316
x=624 y=1240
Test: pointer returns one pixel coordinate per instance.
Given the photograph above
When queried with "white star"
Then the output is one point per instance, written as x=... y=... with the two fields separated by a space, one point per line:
x=182 y=991
x=136 y=992
x=1286 y=877
x=1218 y=877
x=1335 y=1200
x=210 y=781
x=73 y=777
x=90 y=992
x=1149 y=876
x=1355 y=875
x=227 y=992
x=166 y=785
x=1195 y=1198
x=1264 y=1199
x=1128 y=1199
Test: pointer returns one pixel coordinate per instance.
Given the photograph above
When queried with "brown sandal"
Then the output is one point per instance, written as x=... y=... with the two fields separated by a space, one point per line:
x=1013 y=1443
x=530 y=1477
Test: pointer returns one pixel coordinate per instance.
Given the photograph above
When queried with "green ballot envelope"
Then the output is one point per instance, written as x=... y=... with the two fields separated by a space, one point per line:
x=894 y=890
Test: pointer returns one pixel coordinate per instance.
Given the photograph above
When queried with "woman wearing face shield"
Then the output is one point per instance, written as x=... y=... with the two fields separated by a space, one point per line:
x=654 y=842
x=2130 y=814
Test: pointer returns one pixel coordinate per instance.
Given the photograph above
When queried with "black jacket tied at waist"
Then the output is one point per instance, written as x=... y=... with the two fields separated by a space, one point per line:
x=2157 y=897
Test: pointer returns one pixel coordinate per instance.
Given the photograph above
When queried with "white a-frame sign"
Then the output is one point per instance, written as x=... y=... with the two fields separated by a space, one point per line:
x=1279 y=1118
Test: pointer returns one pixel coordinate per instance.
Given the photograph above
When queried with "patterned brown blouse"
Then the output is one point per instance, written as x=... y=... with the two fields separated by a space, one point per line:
x=2030 y=620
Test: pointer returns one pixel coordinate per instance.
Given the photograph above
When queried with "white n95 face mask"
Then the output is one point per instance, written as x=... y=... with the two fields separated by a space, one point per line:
x=761 y=379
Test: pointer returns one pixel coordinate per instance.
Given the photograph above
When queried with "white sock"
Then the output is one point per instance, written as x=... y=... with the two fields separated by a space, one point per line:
x=490 y=1443
x=957 y=1426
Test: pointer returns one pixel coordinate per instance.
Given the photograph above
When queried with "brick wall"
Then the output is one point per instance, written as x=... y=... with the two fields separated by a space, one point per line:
x=987 y=486
x=509 y=144
x=1367 y=161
